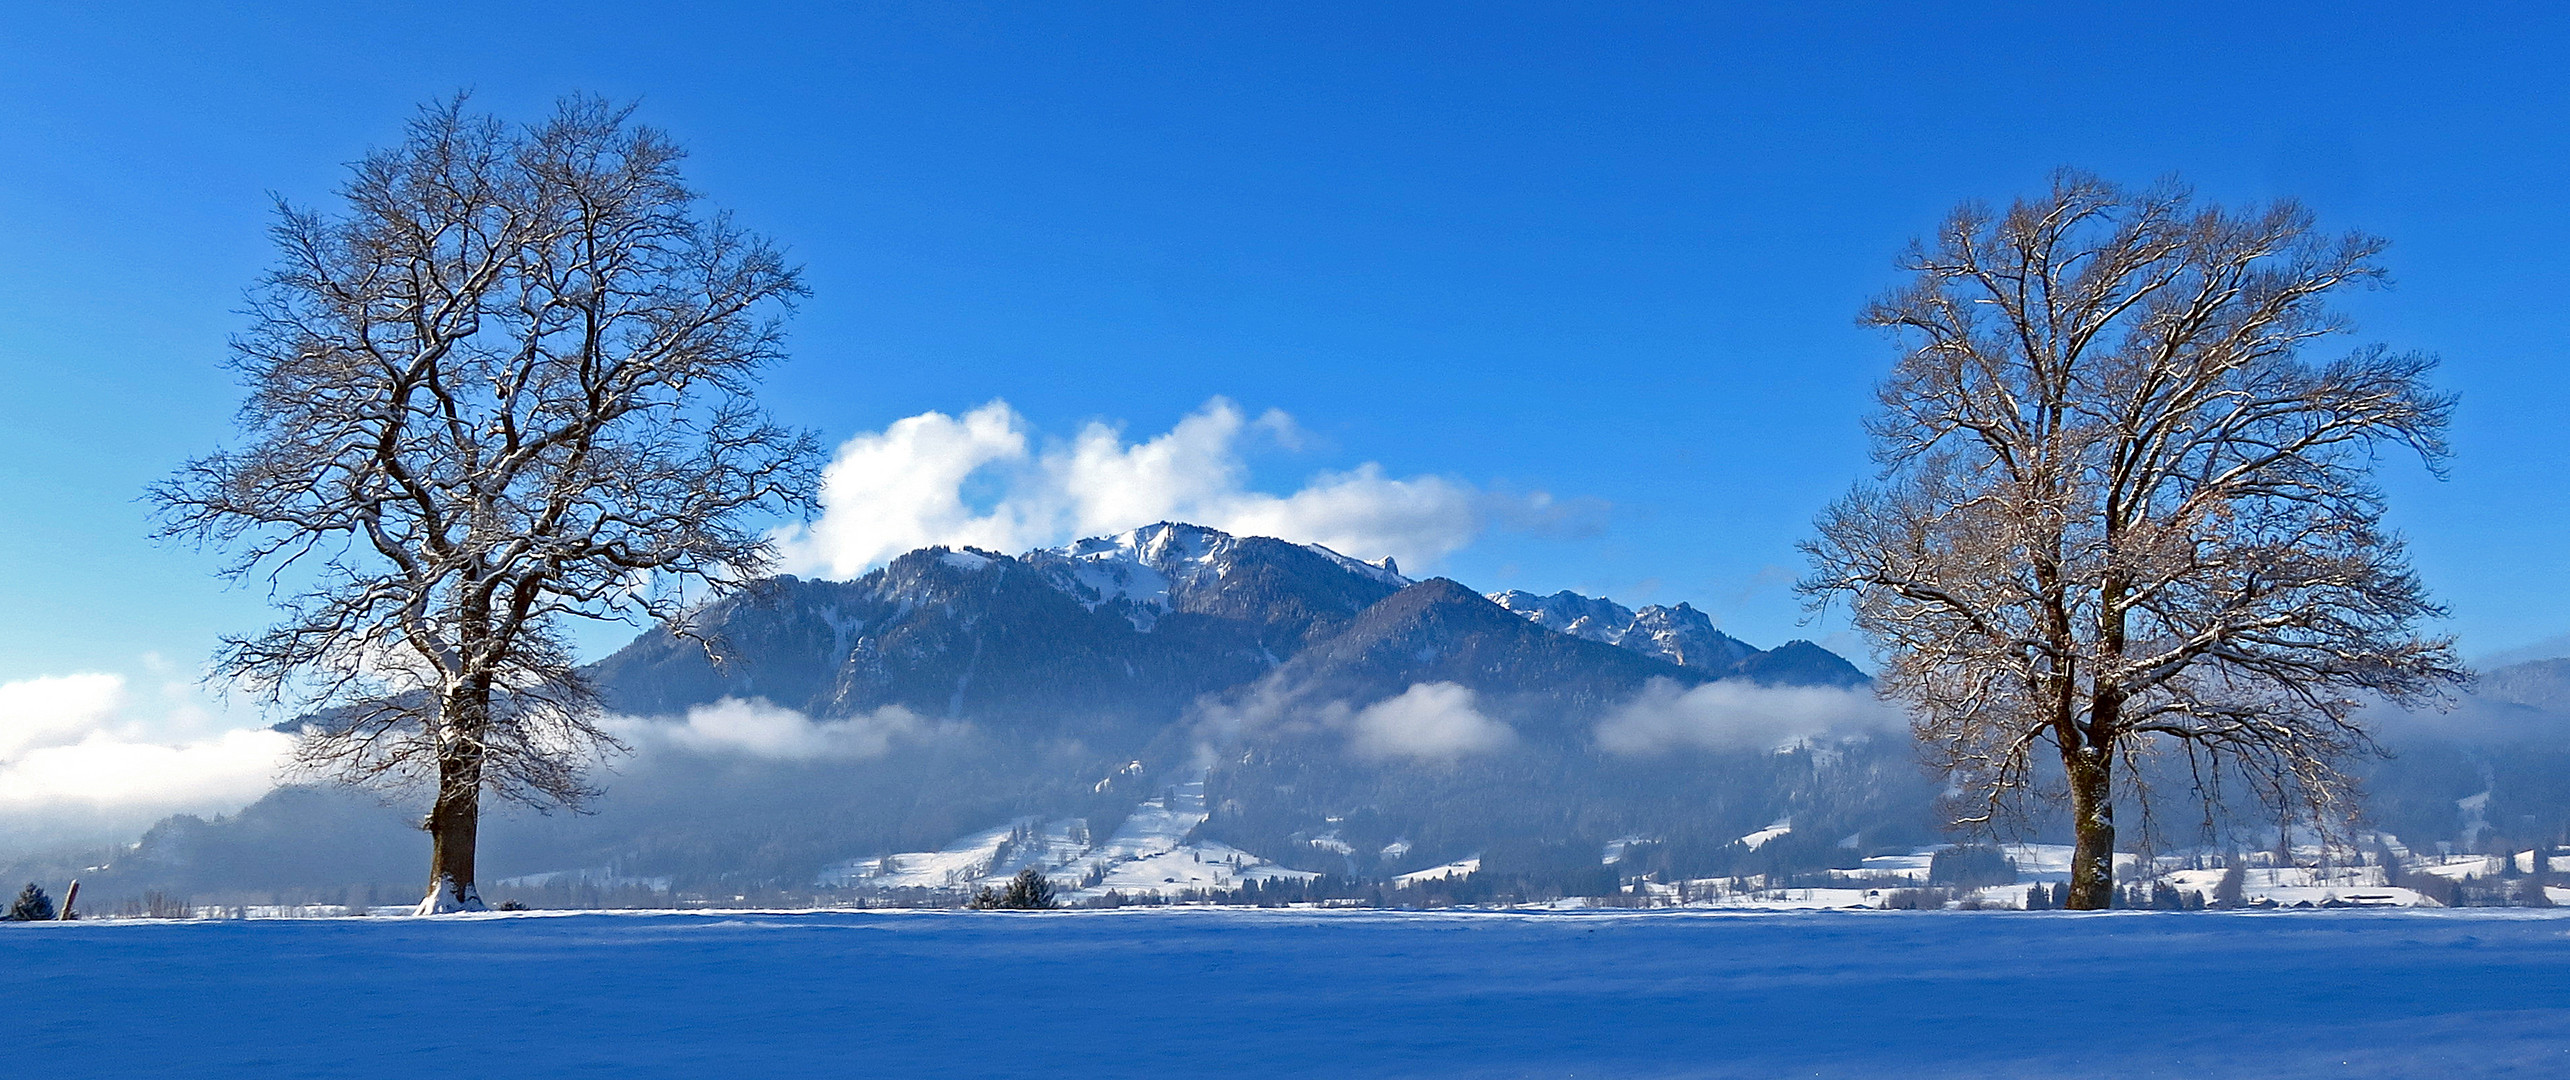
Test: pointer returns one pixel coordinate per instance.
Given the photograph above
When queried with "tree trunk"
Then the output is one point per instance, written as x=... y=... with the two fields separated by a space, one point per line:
x=454 y=821
x=2092 y=811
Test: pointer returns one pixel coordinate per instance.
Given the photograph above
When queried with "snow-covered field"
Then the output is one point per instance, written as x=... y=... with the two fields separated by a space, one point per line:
x=1247 y=993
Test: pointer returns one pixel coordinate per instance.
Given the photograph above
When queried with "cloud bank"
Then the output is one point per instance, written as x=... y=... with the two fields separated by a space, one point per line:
x=758 y=729
x=84 y=760
x=1738 y=715
x=1428 y=722
x=981 y=479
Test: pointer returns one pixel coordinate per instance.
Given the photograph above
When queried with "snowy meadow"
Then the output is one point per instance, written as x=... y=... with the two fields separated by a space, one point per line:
x=1239 y=993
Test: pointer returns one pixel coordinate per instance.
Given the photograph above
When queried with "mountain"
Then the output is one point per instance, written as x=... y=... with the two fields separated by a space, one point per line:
x=1683 y=636
x=1175 y=708
x=1210 y=691
x=1113 y=632
x=1801 y=663
x=1438 y=631
x=1130 y=631
x=2542 y=685
x=1144 y=664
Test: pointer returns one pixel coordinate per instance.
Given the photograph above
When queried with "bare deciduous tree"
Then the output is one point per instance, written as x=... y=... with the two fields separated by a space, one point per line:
x=2121 y=515
x=506 y=385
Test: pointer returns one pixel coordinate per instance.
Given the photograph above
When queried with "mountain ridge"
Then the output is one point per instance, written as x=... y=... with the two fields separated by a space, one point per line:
x=1681 y=635
x=1146 y=620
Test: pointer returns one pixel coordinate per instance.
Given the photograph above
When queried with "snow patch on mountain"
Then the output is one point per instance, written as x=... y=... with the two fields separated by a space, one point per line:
x=966 y=560
x=1759 y=839
x=1149 y=854
x=955 y=866
x=1460 y=868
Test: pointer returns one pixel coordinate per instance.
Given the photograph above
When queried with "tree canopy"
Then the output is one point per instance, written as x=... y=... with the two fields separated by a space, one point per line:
x=2122 y=513
x=504 y=383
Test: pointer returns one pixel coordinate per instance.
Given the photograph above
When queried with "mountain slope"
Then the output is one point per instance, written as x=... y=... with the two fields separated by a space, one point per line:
x=1440 y=631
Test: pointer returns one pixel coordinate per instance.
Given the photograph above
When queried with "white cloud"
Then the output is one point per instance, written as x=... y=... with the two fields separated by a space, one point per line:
x=905 y=487
x=756 y=728
x=1429 y=721
x=82 y=760
x=214 y=775
x=1736 y=714
x=1364 y=513
x=902 y=488
x=55 y=709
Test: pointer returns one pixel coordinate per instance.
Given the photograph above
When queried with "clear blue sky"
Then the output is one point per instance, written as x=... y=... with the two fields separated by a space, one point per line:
x=1612 y=256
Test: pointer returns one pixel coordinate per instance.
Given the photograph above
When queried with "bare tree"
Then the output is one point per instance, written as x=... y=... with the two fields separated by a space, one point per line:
x=506 y=385
x=2120 y=515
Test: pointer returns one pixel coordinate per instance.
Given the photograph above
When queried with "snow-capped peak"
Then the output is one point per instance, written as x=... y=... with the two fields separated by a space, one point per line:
x=1680 y=635
x=1383 y=570
x=1150 y=568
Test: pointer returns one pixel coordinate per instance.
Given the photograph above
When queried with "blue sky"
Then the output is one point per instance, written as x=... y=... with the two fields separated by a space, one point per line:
x=1613 y=258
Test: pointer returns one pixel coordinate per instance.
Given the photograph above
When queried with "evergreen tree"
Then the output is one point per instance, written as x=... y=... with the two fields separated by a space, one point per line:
x=32 y=906
x=1030 y=891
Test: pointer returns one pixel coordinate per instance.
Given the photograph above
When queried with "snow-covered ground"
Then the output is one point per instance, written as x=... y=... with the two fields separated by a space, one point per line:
x=1246 y=993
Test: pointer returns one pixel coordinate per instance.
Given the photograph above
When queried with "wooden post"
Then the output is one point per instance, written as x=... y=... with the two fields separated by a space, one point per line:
x=69 y=897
